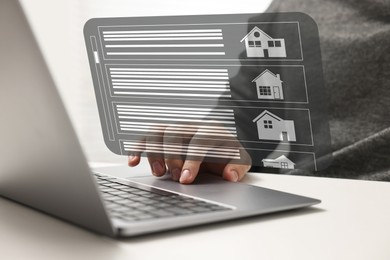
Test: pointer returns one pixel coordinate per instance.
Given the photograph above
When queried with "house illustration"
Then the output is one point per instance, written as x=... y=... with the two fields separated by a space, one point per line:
x=281 y=162
x=272 y=127
x=269 y=86
x=260 y=44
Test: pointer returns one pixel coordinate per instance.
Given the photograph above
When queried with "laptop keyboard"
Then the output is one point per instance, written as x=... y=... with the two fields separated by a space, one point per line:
x=129 y=203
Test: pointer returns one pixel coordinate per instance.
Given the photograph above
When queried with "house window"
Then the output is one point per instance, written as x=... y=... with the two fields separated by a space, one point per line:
x=265 y=90
x=257 y=43
x=274 y=44
x=284 y=165
x=251 y=43
x=267 y=124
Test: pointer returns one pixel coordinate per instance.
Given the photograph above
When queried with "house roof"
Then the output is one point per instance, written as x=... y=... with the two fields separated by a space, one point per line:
x=266 y=71
x=258 y=30
x=266 y=112
x=281 y=158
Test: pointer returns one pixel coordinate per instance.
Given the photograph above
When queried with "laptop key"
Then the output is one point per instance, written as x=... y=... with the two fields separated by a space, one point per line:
x=145 y=217
x=162 y=205
x=163 y=198
x=105 y=190
x=129 y=195
x=112 y=206
x=178 y=211
x=121 y=209
x=201 y=209
x=124 y=201
x=135 y=213
x=203 y=204
x=187 y=205
x=148 y=208
x=128 y=218
x=162 y=213
x=151 y=195
x=217 y=207
x=139 y=198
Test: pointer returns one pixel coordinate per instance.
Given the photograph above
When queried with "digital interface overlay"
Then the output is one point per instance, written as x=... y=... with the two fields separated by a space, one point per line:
x=236 y=87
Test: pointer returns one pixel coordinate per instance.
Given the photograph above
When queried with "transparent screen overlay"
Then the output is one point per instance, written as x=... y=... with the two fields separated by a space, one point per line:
x=241 y=88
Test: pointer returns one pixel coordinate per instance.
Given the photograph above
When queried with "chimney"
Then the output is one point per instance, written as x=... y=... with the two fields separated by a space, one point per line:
x=278 y=76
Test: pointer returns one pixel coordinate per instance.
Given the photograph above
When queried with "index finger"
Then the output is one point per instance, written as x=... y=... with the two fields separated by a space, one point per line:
x=189 y=171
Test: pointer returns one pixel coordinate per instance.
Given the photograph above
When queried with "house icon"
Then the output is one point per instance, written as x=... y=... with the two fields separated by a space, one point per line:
x=281 y=162
x=260 y=44
x=272 y=127
x=269 y=86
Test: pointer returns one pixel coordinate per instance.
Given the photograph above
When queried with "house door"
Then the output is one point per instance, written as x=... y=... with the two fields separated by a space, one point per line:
x=276 y=93
x=284 y=136
x=266 y=55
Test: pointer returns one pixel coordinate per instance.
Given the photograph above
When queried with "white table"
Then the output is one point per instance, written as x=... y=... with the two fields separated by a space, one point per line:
x=352 y=222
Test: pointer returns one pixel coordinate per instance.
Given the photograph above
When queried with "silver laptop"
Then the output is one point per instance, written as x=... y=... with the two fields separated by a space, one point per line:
x=43 y=165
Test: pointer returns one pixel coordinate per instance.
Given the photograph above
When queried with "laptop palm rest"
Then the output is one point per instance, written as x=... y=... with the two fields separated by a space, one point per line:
x=209 y=187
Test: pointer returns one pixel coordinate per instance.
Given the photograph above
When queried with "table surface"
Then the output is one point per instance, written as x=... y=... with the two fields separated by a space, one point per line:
x=352 y=222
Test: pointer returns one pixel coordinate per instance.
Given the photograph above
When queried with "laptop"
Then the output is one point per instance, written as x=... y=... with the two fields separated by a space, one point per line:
x=43 y=165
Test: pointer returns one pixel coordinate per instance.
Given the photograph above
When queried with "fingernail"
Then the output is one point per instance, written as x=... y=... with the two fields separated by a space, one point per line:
x=157 y=168
x=185 y=176
x=233 y=176
x=175 y=174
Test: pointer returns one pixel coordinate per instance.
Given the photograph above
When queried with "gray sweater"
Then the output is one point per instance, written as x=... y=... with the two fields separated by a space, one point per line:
x=355 y=45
